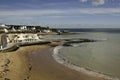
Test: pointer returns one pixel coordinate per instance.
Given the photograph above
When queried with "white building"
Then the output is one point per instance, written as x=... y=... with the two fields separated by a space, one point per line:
x=23 y=28
x=3 y=25
x=26 y=38
x=6 y=31
x=46 y=31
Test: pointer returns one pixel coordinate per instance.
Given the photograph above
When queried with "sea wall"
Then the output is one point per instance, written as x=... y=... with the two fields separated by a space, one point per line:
x=10 y=48
x=16 y=46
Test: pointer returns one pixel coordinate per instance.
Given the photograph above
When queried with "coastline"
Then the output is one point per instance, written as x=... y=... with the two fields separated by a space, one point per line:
x=70 y=65
x=44 y=67
x=36 y=62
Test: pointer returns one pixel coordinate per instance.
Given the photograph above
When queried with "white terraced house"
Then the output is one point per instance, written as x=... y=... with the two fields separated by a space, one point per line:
x=26 y=38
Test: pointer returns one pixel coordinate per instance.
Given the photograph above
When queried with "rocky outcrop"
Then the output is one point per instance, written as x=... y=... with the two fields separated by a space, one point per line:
x=70 y=41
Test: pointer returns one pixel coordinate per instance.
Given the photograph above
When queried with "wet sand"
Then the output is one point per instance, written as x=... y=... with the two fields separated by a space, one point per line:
x=44 y=67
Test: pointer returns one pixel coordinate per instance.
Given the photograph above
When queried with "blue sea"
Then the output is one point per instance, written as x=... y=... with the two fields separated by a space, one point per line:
x=106 y=30
x=101 y=57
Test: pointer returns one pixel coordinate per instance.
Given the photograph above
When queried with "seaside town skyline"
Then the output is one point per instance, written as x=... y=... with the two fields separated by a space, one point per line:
x=62 y=13
x=59 y=39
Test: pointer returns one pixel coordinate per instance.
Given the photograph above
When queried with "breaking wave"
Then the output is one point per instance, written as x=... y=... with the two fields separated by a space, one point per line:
x=63 y=61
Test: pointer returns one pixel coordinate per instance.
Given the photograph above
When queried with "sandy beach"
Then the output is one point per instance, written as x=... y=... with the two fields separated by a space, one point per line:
x=36 y=63
x=16 y=65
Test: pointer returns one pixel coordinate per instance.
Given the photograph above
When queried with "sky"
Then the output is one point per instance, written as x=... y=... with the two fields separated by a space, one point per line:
x=62 y=13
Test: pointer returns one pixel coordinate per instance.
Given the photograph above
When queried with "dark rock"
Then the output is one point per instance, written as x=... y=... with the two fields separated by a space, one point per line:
x=7 y=61
x=1 y=74
x=28 y=77
x=67 y=44
x=5 y=70
x=6 y=79
x=30 y=68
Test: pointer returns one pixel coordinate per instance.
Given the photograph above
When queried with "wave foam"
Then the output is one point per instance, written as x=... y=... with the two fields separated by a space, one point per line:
x=77 y=68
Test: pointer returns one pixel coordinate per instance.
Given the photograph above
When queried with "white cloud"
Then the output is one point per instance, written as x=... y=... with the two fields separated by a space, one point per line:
x=98 y=2
x=94 y=11
x=83 y=0
x=99 y=11
x=29 y=12
x=60 y=13
x=95 y=2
